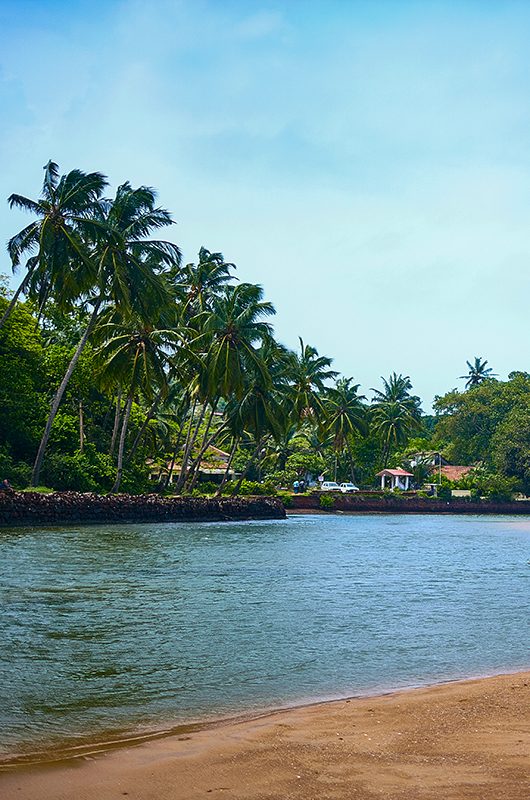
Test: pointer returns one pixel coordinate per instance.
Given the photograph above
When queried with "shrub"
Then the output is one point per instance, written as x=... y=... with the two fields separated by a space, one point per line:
x=444 y=492
x=257 y=488
x=326 y=502
x=18 y=473
x=286 y=498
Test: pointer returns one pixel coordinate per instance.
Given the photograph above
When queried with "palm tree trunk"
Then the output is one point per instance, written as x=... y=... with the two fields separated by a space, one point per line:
x=173 y=459
x=188 y=449
x=196 y=465
x=247 y=468
x=350 y=457
x=59 y=396
x=13 y=301
x=121 y=447
x=81 y=428
x=228 y=465
x=150 y=414
x=117 y=417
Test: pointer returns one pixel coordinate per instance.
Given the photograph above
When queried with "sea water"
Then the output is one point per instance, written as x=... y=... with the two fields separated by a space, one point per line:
x=111 y=630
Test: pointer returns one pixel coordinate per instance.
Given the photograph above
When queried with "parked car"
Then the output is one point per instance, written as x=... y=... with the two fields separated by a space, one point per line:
x=346 y=488
x=329 y=486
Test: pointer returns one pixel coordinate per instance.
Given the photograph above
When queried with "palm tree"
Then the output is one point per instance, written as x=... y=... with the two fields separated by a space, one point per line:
x=233 y=328
x=123 y=270
x=308 y=373
x=58 y=242
x=477 y=372
x=198 y=283
x=395 y=413
x=259 y=411
x=134 y=354
x=345 y=415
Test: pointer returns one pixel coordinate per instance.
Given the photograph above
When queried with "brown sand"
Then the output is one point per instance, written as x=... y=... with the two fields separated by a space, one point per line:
x=454 y=741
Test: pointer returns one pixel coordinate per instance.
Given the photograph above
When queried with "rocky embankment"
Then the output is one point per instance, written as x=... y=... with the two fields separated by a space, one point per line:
x=67 y=508
x=405 y=504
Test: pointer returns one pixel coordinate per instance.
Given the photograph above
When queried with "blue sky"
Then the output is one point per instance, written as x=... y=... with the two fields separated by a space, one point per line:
x=367 y=162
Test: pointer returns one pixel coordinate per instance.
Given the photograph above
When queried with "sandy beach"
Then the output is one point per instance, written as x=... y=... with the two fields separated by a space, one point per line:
x=456 y=741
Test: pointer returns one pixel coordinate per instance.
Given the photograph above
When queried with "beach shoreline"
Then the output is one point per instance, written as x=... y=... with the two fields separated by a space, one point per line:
x=458 y=739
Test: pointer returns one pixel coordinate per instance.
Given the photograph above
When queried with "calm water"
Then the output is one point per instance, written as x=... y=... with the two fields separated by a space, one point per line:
x=123 y=628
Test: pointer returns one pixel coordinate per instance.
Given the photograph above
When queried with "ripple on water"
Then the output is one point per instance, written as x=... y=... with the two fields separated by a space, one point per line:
x=126 y=628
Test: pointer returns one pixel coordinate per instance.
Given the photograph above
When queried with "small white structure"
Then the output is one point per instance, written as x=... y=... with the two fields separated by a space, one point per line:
x=395 y=479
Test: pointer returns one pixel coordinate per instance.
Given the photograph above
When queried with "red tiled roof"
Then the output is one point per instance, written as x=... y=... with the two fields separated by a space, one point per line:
x=397 y=472
x=454 y=472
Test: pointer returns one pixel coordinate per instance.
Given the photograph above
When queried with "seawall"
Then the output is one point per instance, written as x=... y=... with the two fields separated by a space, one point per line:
x=68 y=508
x=373 y=503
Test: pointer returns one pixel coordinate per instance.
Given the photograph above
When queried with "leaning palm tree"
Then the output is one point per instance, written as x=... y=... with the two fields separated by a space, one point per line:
x=124 y=270
x=477 y=372
x=57 y=244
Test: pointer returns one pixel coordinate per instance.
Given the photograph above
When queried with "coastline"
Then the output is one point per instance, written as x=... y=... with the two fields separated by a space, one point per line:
x=27 y=509
x=458 y=739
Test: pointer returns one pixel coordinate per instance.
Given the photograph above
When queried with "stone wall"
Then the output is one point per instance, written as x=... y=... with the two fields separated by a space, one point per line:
x=66 y=508
x=402 y=504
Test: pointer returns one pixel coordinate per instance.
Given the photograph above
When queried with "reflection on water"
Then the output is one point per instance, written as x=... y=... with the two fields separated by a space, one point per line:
x=143 y=626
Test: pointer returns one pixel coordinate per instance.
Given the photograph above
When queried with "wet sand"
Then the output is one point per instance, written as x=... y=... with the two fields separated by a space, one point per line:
x=457 y=741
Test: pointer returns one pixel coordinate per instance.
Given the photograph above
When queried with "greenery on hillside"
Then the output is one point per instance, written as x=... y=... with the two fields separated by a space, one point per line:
x=117 y=362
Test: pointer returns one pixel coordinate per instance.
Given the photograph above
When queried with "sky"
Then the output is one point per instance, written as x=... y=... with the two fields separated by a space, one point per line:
x=367 y=162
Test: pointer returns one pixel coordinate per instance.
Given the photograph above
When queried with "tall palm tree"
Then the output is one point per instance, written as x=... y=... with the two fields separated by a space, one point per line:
x=260 y=411
x=58 y=242
x=395 y=413
x=345 y=415
x=477 y=372
x=124 y=270
x=199 y=282
x=134 y=354
x=234 y=328
x=308 y=373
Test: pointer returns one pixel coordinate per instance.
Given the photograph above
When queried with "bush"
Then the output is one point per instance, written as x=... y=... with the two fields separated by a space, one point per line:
x=326 y=502
x=257 y=488
x=444 y=492
x=17 y=473
x=482 y=483
x=286 y=498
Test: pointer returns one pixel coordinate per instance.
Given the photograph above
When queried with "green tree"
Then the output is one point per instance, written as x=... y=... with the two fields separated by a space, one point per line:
x=477 y=372
x=57 y=243
x=395 y=412
x=134 y=355
x=126 y=275
x=308 y=373
x=345 y=416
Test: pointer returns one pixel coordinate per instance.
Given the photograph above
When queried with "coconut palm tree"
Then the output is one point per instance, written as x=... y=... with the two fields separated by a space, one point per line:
x=124 y=271
x=134 y=355
x=58 y=243
x=198 y=283
x=477 y=373
x=345 y=416
x=395 y=413
x=308 y=372
x=233 y=329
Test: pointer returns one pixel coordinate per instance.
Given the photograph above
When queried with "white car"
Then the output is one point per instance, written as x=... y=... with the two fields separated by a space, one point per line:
x=346 y=488
x=329 y=486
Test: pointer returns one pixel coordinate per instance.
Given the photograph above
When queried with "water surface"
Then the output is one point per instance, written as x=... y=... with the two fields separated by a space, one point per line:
x=106 y=629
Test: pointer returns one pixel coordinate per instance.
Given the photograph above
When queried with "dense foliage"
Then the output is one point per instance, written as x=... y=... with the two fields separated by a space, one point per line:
x=120 y=366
